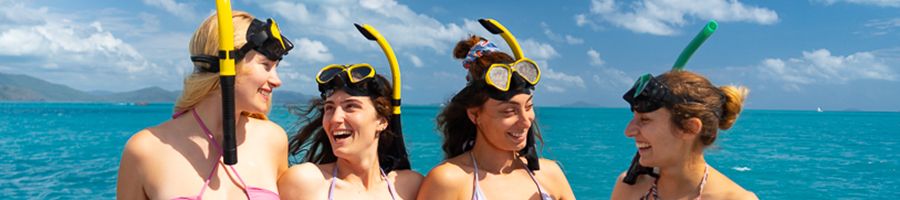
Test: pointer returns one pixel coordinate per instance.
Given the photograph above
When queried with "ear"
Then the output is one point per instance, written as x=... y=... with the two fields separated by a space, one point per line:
x=692 y=126
x=382 y=124
x=473 y=114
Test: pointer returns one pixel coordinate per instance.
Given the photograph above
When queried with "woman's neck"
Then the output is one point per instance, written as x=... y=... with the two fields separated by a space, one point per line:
x=682 y=179
x=210 y=111
x=491 y=159
x=364 y=169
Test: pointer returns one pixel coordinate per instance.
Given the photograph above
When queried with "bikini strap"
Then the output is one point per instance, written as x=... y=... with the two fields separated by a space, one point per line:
x=390 y=186
x=218 y=148
x=334 y=177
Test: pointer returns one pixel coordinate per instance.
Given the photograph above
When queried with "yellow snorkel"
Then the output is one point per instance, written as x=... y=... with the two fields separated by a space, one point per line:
x=496 y=28
x=371 y=34
x=226 y=78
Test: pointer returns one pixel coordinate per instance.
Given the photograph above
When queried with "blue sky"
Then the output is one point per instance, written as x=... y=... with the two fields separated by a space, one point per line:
x=834 y=54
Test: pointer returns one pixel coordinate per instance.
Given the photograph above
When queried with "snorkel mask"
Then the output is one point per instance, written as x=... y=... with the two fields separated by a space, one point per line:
x=649 y=94
x=349 y=78
x=263 y=37
x=503 y=81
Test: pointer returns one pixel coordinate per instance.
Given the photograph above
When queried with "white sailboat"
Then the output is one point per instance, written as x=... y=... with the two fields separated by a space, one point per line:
x=819 y=109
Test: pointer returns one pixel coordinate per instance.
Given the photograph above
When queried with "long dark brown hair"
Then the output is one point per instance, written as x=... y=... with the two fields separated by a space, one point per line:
x=312 y=138
x=453 y=121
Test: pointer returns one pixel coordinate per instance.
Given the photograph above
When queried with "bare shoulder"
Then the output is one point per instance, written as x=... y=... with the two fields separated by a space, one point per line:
x=406 y=182
x=141 y=144
x=622 y=190
x=449 y=172
x=554 y=179
x=302 y=181
x=725 y=188
x=448 y=180
x=551 y=168
x=303 y=175
x=408 y=176
x=272 y=131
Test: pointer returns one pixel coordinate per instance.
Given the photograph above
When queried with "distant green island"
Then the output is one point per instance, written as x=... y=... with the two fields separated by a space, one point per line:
x=24 y=88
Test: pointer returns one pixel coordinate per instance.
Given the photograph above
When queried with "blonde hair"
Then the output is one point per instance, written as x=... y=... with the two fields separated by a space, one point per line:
x=199 y=84
x=717 y=106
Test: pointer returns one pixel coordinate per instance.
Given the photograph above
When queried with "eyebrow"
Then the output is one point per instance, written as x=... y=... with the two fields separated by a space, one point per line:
x=517 y=103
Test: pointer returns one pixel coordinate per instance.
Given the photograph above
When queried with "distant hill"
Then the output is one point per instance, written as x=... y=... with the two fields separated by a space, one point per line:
x=15 y=87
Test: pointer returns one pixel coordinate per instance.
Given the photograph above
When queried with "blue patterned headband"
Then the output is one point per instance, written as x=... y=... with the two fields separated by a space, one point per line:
x=478 y=50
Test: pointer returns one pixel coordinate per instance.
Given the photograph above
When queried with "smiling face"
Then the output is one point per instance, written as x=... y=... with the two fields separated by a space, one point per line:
x=254 y=84
x=352 y=124
x=658 y=140
x=504 y=125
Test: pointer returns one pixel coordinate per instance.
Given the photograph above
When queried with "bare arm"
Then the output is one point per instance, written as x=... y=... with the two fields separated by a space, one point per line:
x=129 y=184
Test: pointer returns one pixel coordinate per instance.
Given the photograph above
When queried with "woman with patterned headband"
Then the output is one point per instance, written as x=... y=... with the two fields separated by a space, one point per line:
x=490 y=133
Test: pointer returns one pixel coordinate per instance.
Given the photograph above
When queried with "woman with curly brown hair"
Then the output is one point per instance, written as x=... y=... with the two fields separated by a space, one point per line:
x=676 y=116
x=489 y=133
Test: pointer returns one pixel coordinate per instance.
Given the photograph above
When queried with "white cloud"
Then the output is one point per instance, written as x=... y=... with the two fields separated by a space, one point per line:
x=820 y=66
x=612 y=79
x=415 y=60
x=607 y=77
x=595 y=58
x=181 y=10
x=569 y=39
x=311 y=51
x=661 y=17
x=86 y=50
x=399 y=24
x=537 y=50
x=883 y=26
x=880 y=3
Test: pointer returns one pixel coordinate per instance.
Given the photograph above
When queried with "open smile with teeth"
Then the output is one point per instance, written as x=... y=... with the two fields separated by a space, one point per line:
x=265 y=93
x=516 y=135
x=342 y=134
x=642 y=145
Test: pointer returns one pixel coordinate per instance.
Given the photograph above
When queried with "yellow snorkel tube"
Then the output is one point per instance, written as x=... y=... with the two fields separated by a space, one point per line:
x=493 y=26
x=226 y=78
x=496 y=28
x=371 y=34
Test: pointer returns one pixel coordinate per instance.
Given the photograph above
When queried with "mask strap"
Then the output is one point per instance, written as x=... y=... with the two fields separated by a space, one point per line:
x=213 y=62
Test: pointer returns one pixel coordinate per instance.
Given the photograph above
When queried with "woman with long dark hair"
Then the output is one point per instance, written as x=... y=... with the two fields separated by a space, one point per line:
x=490 y=133
x=348 y=142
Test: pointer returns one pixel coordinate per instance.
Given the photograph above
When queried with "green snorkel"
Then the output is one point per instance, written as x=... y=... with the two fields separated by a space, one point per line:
x=493 y=26
x=636 y=169
x=692 y=47
x=226 y=78
x=372 y=34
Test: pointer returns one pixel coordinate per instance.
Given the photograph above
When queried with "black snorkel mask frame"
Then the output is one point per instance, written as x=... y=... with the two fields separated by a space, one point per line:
x=649 y=94
x=263 y=37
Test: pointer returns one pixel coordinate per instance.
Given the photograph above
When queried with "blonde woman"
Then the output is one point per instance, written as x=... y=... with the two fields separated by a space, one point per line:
x=181 y=158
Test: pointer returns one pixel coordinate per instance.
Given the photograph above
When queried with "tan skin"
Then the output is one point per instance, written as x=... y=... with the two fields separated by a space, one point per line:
x=679 y=156
x=173 y=159
x=503 y=127
x=359 y=175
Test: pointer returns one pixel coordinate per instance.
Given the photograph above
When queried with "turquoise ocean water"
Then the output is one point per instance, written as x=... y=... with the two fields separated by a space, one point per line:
x=71 y=150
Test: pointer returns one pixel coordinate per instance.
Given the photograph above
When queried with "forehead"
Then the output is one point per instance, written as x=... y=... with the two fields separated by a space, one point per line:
x=342 y=96
x=520 y=99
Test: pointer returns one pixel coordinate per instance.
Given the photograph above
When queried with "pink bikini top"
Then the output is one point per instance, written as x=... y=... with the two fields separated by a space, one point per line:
x=252 y=192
